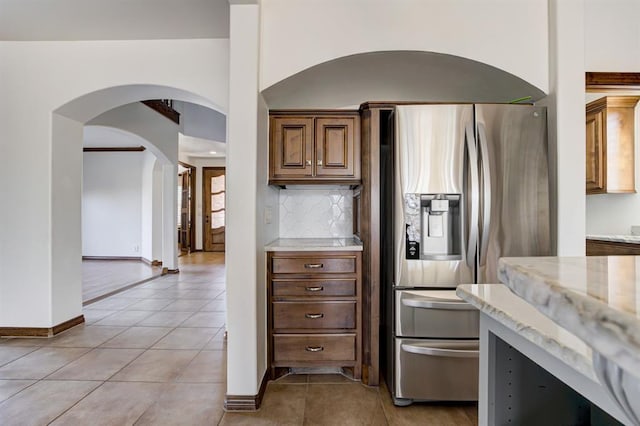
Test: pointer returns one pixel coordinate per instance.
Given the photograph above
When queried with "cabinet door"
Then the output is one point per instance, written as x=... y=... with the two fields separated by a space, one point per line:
x=596 y=161
x=291 y=147
x=336 y=145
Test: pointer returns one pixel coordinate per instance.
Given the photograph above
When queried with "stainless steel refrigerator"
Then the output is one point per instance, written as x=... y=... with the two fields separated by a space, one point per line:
x=463 y=185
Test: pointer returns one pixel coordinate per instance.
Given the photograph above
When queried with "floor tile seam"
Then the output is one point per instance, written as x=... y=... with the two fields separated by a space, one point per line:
x=304 y=405
x=35 y=381
x=126 y=365
x=120 y=290
x=144 y=319
x=33 y=349
x=192 y=349
x=145 y=348
x=121 y=325
x=387 y=414
x=52 y=345
x=63 y=366
x=76 y=403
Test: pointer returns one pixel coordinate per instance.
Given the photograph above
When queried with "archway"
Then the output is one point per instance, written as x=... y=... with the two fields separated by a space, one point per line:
x=401 y=75
x=100 y=108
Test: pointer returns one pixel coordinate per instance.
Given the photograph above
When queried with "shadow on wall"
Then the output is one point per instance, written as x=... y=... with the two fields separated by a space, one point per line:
x=397 y=76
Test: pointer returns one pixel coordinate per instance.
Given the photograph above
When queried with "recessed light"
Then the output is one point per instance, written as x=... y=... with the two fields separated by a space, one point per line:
x=212 y=152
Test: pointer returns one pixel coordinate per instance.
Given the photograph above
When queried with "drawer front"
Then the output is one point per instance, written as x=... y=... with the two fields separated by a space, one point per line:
x=451 y=366
x=424 y=314
x=314 y=315
x=314 y=347
x=344 y=287
x=314 y=265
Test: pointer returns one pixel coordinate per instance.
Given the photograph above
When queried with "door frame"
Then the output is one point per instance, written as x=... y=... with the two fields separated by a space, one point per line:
x=192 y=205
x=204 y=213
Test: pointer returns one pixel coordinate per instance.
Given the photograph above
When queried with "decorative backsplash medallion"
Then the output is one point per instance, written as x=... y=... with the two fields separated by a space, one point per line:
x=316 y=213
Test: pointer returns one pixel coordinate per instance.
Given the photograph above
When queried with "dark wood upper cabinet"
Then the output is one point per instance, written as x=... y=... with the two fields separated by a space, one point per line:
x=309 y=147
x=292 y=155
x=610 y=165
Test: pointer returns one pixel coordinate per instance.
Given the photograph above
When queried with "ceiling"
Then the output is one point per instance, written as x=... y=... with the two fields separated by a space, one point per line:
x=113 y=19
x=197 y=147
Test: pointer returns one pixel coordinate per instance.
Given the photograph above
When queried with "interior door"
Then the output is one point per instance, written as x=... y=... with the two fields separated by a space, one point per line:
x=185 y=211
x=214 y=186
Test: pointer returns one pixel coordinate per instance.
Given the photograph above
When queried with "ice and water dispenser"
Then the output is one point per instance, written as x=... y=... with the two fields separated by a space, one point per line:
x=433 y=225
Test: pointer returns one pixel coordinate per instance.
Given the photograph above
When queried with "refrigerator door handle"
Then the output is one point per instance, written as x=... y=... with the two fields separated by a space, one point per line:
x=473 y=195
x=451 y=353
x=425 y=303
x=486 y=193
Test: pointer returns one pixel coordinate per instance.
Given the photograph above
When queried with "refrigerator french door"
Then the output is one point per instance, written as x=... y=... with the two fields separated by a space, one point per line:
x=470 y=185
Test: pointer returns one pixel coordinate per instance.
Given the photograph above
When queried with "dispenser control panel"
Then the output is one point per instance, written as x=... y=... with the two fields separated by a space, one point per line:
x=433 y=225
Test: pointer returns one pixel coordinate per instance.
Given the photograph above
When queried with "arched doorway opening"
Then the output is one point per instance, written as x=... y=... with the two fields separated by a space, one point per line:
x=114 y=107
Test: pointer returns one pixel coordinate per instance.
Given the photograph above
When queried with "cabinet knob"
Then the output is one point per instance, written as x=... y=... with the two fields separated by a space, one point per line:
x=319 y=162
x=313 y=316
x=314 y=349
x=308 y=162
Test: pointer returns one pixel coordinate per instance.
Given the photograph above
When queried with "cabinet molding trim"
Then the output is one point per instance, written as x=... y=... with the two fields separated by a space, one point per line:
x=599 y=81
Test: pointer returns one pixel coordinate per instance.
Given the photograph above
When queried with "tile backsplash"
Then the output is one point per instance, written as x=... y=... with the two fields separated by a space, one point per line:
x=316 y=213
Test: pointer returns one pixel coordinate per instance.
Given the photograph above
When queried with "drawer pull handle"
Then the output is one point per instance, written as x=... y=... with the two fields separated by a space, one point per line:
x=318 y=288
x=314 y=348
x=313 y=265
x=314 y=316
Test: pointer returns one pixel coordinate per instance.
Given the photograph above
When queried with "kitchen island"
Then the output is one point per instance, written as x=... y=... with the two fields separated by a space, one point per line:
x=575 y=318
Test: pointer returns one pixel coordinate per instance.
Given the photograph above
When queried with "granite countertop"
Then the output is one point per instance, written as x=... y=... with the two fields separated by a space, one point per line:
x=632 y=239
x=596 y=298
x=315 y=244
x=498 y=302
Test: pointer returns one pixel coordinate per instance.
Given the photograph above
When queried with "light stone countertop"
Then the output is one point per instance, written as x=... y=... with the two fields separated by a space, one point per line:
x=632 y=239
x=315 y=244
x=499 y=303
x=596 y=298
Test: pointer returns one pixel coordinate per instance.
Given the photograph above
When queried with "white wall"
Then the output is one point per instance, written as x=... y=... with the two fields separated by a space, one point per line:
x=201 y=122
x=612 y=39
x=299 y=34
x=246 y=352
x=614 y=47
x=157 y=133
x=151 y=216
x=566 y=125
x=37 y=79
x=112 y=204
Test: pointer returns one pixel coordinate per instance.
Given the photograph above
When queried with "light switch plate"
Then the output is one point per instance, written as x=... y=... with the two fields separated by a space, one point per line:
x=268 y=215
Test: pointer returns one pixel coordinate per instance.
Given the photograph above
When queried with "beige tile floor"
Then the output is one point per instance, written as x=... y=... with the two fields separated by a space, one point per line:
x=103 y=276
x=156 y=355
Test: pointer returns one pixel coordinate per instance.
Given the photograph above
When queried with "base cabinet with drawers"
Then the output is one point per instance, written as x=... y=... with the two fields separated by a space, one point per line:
x=314 y=310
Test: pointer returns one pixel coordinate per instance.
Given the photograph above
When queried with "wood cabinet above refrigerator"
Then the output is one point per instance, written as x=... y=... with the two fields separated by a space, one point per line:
x=314 y=147
x=610 y=166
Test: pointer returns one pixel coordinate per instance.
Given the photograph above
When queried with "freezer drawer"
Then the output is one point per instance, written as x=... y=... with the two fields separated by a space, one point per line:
x=436 y=370
x=434 y=314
